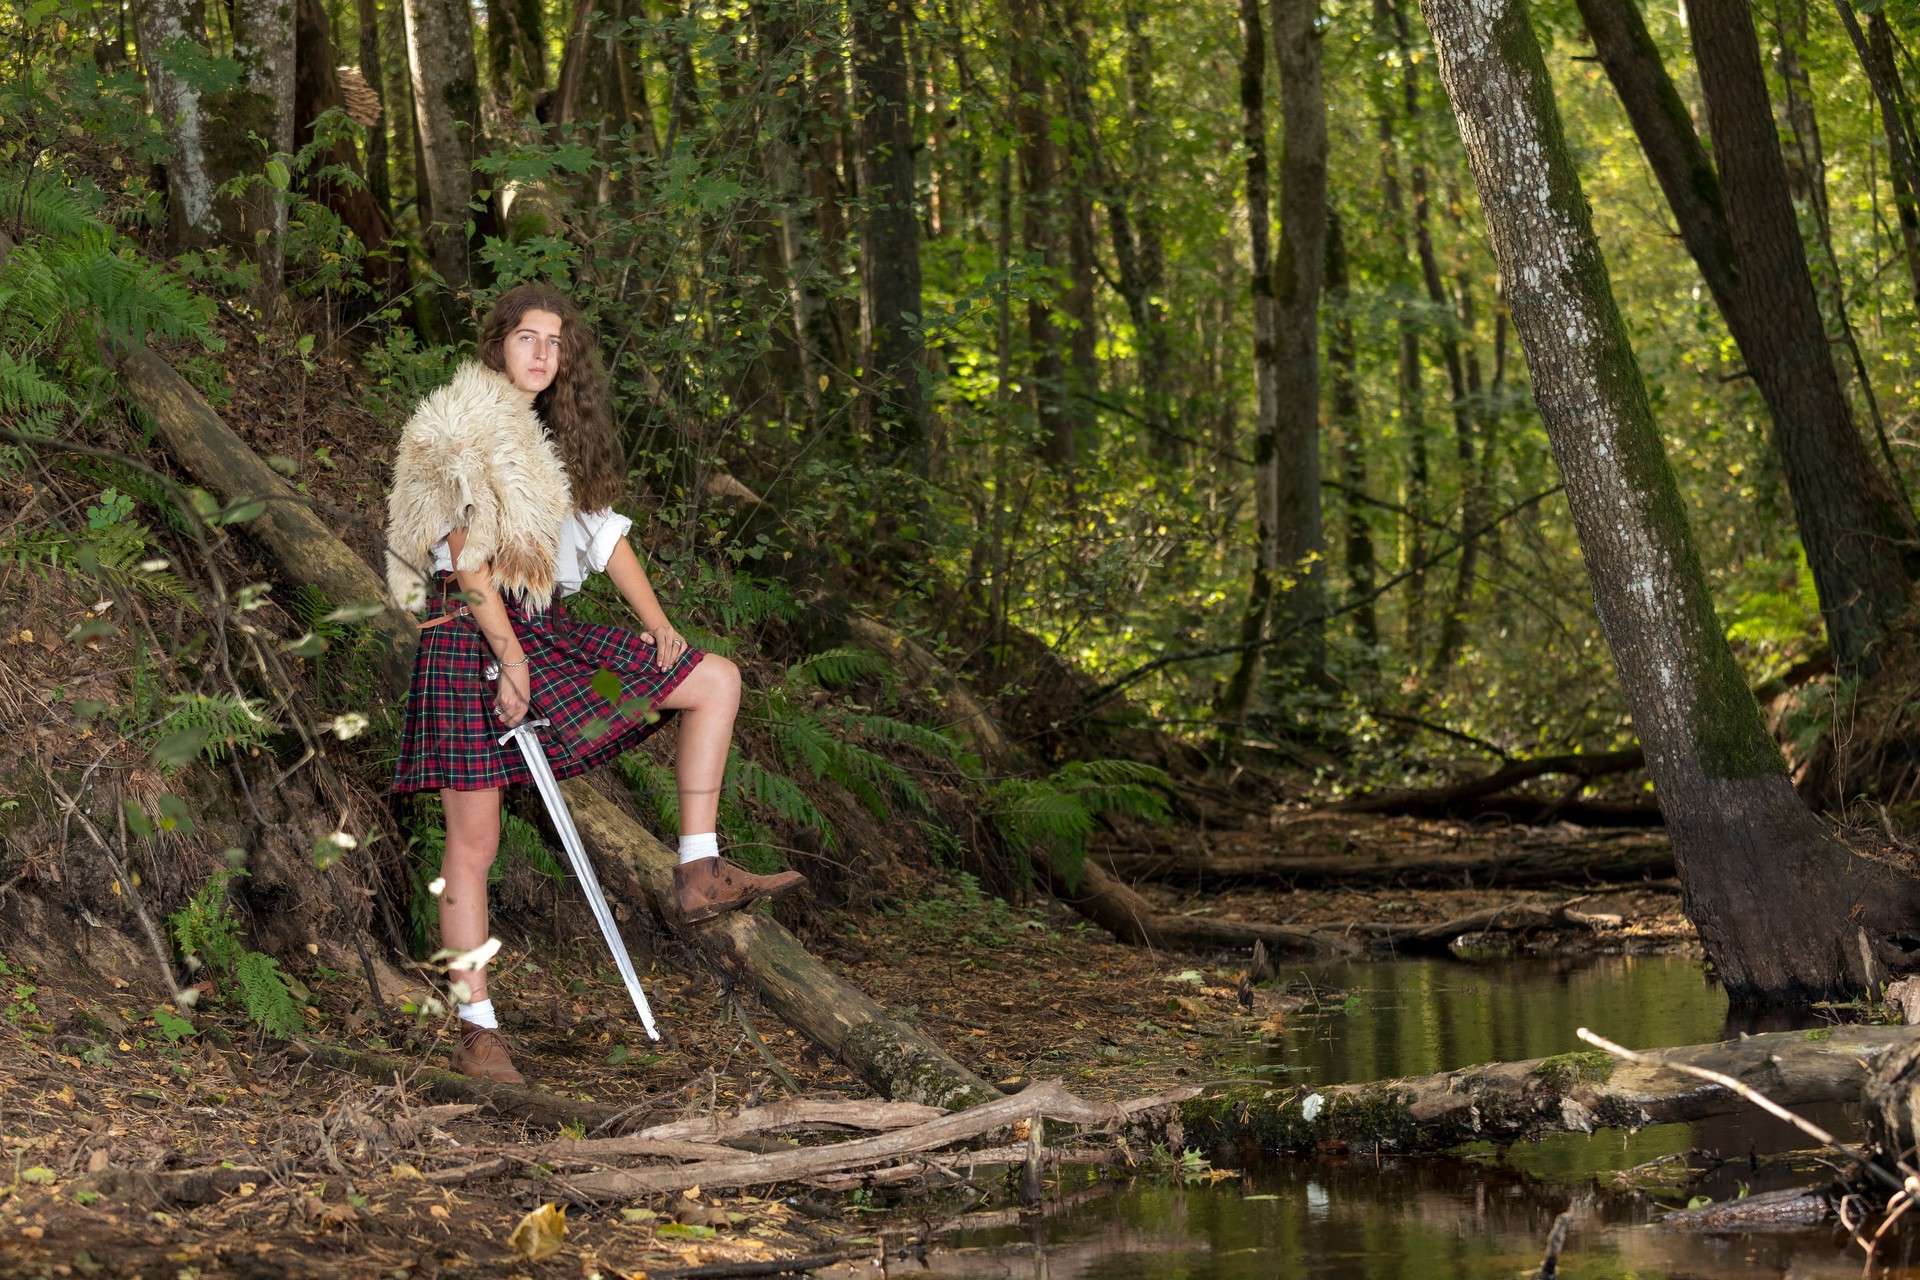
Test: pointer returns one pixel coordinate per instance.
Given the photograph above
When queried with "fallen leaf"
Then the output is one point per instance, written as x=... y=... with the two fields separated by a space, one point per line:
x=540 y=1233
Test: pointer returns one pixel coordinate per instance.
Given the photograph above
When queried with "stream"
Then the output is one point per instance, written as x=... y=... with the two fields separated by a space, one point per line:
x=1475 y=1214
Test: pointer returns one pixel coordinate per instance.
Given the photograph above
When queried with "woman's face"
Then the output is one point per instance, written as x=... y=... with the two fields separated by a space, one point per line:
x=532 y=351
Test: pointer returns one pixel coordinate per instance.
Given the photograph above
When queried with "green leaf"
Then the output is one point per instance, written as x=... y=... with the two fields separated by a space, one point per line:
x=174 y=816
x=46 y=1177
x=177 y=749
x=174 y=1027
x=136 y=820
x=358 y=611
x=277 y=174
x=683 y=1231
x=607 y=685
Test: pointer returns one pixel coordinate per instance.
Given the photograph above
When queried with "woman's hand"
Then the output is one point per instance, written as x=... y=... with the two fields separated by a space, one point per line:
x=669 y=646
x=514 y=696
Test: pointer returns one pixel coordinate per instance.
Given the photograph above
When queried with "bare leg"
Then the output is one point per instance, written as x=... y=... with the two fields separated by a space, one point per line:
x=707 y=700
x=473 y=838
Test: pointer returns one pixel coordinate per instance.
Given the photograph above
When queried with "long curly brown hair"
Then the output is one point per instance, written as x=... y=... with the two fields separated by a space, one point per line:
x=576 y=406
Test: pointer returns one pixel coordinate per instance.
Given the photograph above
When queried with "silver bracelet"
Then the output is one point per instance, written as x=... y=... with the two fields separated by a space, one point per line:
x=521 y=663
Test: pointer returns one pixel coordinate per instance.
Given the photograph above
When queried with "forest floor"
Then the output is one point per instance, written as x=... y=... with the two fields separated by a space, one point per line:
x=90 y=1079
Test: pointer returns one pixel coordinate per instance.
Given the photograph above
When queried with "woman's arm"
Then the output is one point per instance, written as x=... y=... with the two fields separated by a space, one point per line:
x=490 y=615
x=624 y=568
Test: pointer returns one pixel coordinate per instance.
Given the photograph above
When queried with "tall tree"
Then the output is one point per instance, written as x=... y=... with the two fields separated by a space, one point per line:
x=1033 y=127
x=890 y=235
x=446 y=102
x=1736 y=217
x=372 y=70
x=517 y=55
x=1232 y=707
x=1299 y=271
x=1133 y=222
x=263 y=44
x=1896 y=123
x=1783 y=909
x=166 y=29
x=317 y=90
x=1343 y=370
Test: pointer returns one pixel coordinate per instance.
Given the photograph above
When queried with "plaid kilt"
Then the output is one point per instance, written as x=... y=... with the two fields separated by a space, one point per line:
x=451 y=734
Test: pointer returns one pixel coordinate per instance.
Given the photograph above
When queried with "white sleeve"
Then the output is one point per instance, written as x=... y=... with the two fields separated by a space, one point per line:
x=601 y=532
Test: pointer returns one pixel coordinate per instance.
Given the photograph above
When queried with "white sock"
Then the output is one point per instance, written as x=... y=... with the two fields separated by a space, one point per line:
x=480 y=1014
x=694 y=848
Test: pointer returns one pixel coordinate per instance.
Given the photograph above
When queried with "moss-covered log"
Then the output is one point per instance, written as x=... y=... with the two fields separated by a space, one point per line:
x=306 y=550
x=1506 y=1102
x=895 y=1060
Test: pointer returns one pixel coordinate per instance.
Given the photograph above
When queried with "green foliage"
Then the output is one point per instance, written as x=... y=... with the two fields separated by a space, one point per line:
x=1049 y=819
x=207 y=931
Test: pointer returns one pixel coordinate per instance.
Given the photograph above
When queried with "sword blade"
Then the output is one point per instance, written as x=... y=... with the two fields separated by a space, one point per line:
x=535 y=755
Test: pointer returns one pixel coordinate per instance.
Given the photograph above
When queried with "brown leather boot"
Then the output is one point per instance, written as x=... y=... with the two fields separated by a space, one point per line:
x=711 y=886
x=482 y=1054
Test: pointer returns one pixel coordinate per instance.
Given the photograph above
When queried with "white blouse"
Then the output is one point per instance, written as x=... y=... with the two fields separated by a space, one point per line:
x=587 y=541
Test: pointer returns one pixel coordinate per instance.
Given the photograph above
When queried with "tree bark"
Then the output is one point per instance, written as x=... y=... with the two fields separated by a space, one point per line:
x=1033 y=127
x=1343 y=368
x=317 y=90
x=1234 y=699
x=1784 y=910
x=1738 y=223
x=1078 y=176
x=890 y=241
x=1298 y=276
x=1507 y=1102
x=517 y=55
x=192 y=222
x=373 y=71
x=446 y=103
x=263 y=44
x=1883 y=74
x=1133 y=220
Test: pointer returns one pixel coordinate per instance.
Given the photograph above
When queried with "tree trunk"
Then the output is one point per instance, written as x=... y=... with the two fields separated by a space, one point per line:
x=1739 y=224
x=192 y=222
x=1883 y=73
x=1033 y=127
x=317 y=89
x=373 y=71
x=1232 y=708
x=263 y=44
x=446 y=103
x=1133 y=220
x=1078 y=170
x=1784 y=910
x=890 y=243
x=1298 y=275
x=1343 y=367
x=517 y=55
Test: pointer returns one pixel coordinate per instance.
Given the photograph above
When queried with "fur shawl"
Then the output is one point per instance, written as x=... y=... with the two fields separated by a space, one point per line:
x=475 y=456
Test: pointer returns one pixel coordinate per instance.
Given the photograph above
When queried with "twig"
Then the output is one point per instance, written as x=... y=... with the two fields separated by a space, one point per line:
x=1754 y=1096
x=773 y=1063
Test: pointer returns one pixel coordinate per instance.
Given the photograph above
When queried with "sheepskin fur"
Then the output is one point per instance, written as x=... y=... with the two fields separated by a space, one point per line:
x=475 y=456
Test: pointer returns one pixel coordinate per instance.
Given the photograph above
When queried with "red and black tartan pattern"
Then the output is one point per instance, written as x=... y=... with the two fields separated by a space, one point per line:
x=451 y=738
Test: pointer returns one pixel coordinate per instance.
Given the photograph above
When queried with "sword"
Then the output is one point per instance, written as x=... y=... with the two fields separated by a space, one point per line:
x=528 y=741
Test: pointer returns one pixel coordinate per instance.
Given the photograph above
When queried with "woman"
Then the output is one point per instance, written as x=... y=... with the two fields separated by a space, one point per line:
x=504 y=484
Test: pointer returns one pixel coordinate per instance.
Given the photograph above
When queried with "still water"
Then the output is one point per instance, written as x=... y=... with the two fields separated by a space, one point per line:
x=1483 y=1215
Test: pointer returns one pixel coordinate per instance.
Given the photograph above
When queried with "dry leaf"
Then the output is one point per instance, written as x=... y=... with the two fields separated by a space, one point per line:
x=540 y=1233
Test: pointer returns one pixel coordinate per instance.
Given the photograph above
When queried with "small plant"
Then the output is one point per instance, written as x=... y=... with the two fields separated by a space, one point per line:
x=207 y=932
x=1048 y=820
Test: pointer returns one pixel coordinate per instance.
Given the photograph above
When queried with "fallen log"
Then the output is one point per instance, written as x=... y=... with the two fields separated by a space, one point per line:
x=1507 y=1102
x=1115 y=907
x=1349 y=860
x=700 y=1138
x=1458 y=799
x=307 y=551
x=895 y=1060
x=1047 y=1100
x=1515 y=917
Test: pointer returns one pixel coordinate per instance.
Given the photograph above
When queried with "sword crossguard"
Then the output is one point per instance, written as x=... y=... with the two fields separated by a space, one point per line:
x=528 y=725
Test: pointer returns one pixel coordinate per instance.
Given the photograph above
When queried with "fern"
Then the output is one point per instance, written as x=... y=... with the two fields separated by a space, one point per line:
x=46 y=207
x=776 y=794
x=114 y=554
x=206 y=930
x=1050 y=818
x=653 y=788
x=266 y=997
x=46 y=285
x=520 y=839
x=209 y=724
x=835 y=668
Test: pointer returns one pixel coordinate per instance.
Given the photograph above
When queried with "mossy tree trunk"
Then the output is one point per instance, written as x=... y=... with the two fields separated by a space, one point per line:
x=1785 y=911
x=192 y=222
x=1343 y=367
x=1735 y=214
x=263 y=44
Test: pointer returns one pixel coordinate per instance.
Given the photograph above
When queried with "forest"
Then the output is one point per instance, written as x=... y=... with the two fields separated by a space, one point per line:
x=1302 y=568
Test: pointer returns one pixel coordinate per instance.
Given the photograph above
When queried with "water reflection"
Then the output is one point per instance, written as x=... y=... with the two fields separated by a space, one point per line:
x=1434 y=1219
